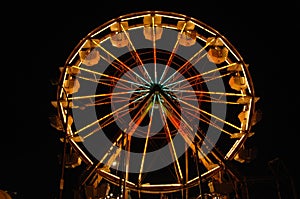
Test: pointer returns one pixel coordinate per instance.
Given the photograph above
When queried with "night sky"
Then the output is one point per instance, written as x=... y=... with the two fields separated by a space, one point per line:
x=39 y=42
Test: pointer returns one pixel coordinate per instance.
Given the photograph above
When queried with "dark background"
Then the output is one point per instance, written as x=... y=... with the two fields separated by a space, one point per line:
x=39 y=40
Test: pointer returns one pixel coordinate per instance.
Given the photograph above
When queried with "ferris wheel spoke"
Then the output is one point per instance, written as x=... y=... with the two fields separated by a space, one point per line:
x=108 y=115
x=166 y=67
x=123 y=65
x=137 y=119
x=209 y=114
x=206 y=96
x=136 y=55
x=146 y=141
x=171 y=144
x=109 y=78
x=154 y=48
x=196 y=77
x=195 y=56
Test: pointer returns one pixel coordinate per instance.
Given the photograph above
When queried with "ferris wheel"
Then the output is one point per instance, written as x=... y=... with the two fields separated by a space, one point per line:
x=155 y=103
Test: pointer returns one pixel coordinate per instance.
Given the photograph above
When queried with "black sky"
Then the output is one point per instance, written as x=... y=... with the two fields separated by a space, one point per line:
x=39 y=42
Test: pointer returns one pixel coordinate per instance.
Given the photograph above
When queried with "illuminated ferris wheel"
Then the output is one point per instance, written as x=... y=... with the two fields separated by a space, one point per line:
x=155 y=103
